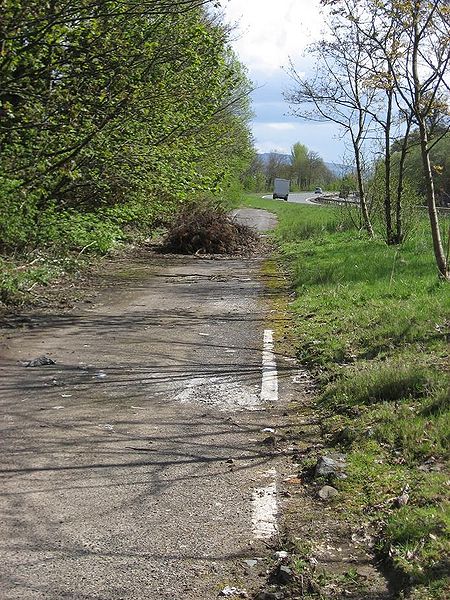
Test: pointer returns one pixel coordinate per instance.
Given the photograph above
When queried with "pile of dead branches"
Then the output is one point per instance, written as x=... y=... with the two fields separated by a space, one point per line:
x=208 y=230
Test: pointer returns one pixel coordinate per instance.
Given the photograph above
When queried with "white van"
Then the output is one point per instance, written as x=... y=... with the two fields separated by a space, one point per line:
x=281 y=189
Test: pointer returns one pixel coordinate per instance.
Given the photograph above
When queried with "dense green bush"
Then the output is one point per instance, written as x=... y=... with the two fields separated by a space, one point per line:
x=111 y=114
x=17 y=215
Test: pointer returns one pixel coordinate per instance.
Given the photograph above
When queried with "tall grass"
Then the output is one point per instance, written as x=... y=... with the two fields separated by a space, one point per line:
x=371 y=322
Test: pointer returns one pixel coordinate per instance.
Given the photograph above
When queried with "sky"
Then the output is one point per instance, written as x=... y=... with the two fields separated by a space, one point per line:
x=268 y=34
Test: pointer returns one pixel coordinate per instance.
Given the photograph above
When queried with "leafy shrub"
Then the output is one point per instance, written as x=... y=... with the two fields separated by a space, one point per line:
x=17 y=280
x=17 y=216
x=73 y=230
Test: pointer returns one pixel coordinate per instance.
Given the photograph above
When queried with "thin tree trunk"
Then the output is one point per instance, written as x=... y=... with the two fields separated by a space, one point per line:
x=387 y=194
x=401 y=172
x=387 y=173
x=398 y=204
x=438 y=247
x=362 y=194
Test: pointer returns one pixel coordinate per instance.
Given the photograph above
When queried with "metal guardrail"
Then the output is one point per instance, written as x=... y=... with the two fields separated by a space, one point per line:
x=332 y=199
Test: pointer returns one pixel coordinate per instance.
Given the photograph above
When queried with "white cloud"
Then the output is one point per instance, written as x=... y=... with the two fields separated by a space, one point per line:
x=264 y=147
x=271 y=31
x=281 y=126
x=319 y=137
x=268 y=33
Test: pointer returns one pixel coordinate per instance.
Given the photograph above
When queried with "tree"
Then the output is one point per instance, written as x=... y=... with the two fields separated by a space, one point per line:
x=440 y=164
x=417 y=65
x=425 y=28
x=109 y=102
x=334 y=93
x=307 y=168
x=276 y=166
x=318 y=172
x=299 y=161
x=387 y=111
x=254 y=178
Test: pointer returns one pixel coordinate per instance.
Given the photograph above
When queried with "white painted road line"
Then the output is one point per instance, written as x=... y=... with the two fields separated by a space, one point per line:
x=264 y=511
x=269 y=383
x=264 y=499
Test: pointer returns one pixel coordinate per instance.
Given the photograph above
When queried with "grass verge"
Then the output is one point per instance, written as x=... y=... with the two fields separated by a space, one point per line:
x=19 y=275
x=371 y=323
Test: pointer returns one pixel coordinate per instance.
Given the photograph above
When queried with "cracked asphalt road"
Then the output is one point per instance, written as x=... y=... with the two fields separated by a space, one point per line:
x=127 y=467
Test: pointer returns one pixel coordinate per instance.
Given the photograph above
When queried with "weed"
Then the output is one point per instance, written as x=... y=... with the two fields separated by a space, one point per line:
x=416 y=538
x=19 y=275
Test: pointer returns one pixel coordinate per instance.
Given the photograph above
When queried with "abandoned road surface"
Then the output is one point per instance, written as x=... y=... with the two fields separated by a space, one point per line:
x=299 y=198
x=135 y=466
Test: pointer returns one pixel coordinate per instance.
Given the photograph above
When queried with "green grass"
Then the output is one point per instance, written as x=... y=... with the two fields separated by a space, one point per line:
x=371 y=323
x=42 y=249
x=19 y=277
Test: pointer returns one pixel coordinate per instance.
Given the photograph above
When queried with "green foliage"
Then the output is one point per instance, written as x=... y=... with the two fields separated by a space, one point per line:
x=111 y=114
x=308 y=168
x=73 y=230
x=299 y=163
x=16 y=280
x=17 y=214
x=440 y=161
x=304 y=168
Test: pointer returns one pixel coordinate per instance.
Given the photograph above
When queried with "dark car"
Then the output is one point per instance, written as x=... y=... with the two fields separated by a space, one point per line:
x=318 y=190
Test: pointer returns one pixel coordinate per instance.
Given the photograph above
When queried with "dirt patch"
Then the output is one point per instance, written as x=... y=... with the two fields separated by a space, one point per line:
x=331 y=551
x=82 y=286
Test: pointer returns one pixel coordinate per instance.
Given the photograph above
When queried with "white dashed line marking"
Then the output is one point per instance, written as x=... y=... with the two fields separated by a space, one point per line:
x=264 y=509
x=264 y=499
x=269 y=383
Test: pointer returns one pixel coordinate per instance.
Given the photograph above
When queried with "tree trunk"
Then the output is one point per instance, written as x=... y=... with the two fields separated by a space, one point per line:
x=362 y=194
x=438 y=248
x=398 y=204
x=399 y=235
x=387 y=194
x=387 y=173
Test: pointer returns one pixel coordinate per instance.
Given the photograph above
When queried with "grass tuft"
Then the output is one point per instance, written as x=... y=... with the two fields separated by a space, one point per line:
x=381 y=383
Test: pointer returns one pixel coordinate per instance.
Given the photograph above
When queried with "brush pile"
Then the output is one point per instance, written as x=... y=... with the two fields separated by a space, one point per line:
x=204 y=229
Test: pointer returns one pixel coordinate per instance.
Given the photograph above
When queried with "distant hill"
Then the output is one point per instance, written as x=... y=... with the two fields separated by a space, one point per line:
x=337 y=169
